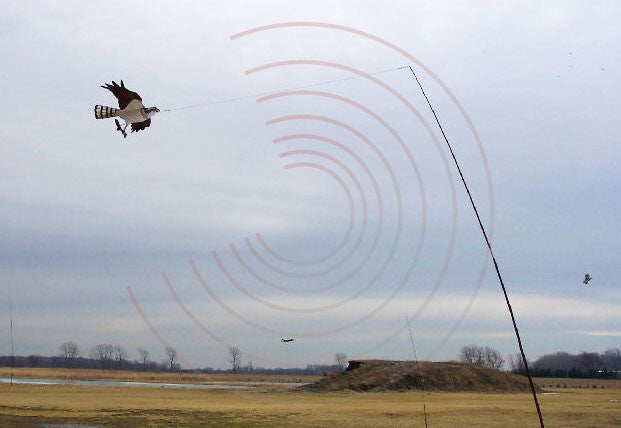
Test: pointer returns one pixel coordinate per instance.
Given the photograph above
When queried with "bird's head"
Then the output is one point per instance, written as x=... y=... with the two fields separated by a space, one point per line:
x=150 y=111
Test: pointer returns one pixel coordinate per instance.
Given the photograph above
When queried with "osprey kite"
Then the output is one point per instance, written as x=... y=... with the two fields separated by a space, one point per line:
x=130 y=109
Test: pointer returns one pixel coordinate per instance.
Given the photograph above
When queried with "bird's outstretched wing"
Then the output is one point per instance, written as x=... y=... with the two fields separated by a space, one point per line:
x=124 y=95
x=140 y=126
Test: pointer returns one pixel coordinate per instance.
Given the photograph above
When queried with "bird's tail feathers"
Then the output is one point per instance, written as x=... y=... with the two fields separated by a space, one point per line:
x=104 y=112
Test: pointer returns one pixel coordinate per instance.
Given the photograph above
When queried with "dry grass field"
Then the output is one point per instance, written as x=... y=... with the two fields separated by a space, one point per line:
x=25 y=406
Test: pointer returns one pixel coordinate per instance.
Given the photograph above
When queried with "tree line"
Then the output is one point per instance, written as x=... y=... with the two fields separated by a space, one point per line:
x=236 y=360
x=116 y=357
x=100 y=356
x=558 y=364
x=584 y=365
x=108 y=356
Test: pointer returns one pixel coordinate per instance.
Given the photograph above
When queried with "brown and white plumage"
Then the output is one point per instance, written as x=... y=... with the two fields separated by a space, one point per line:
x=124 y=95
x=141 y=126
x=105 y=112
x=130 y=109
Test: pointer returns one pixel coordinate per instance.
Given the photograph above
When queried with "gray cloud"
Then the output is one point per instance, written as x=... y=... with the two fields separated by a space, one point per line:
x=86 y=214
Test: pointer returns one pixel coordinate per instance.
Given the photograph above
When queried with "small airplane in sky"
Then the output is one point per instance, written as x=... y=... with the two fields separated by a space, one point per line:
x=283 y=340
x=587 y=278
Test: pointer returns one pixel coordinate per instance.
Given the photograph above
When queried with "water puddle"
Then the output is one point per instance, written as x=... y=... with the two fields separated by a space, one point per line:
x=69 y=426
x=210 y=385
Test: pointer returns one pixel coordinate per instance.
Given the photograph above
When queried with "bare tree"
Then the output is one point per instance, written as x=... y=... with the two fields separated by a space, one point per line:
x=481 y=356
x=612 y=358
x=341 y=360
x=70 y=352
x=102 y=352
x=492 y=358
x=143 y=357
x=516 y=363
x=589 y=361
x=171 y=353
x=120 y=355
x=235 y=358
x=471 y=354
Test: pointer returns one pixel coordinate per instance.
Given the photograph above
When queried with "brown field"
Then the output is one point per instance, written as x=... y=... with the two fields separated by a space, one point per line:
x=554 y=382
x=577 y=405
x=25 y=406
x=119 y=375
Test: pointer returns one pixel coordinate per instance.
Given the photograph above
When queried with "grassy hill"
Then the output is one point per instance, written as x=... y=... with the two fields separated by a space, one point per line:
x=383 y=375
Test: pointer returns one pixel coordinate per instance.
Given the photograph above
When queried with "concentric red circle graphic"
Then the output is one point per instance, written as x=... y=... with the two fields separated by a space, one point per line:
x=366 y=254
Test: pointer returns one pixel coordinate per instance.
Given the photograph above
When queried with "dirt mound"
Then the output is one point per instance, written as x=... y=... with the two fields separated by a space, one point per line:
x=384 y=375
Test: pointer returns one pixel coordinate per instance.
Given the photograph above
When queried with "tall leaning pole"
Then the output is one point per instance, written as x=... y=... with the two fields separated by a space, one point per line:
x=489 y=247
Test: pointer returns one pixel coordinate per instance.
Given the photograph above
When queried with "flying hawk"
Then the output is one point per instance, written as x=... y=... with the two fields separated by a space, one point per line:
x=587 y=278
x=286 y=340
x=130 y=109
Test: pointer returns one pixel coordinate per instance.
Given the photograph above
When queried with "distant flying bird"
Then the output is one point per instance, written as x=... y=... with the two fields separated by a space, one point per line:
x=130 y=109
x=286 y=340
x=587 y=278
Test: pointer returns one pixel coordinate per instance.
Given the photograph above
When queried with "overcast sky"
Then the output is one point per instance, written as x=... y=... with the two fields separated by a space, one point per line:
x=85 y=214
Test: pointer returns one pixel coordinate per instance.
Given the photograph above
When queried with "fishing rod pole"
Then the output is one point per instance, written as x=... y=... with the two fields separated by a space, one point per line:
x=489 y=247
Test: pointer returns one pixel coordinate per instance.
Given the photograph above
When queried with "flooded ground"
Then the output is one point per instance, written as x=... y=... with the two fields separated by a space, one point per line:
x=207 y=385
x=69 y=426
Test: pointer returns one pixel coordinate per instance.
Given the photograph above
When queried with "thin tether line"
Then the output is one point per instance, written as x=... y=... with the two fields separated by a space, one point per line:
x=489 y=246
x=422 y=380
x=245 y=97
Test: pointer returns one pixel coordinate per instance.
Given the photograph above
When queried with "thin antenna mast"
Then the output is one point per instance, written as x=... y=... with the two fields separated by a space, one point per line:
x=422 y=380
x=12 y=354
